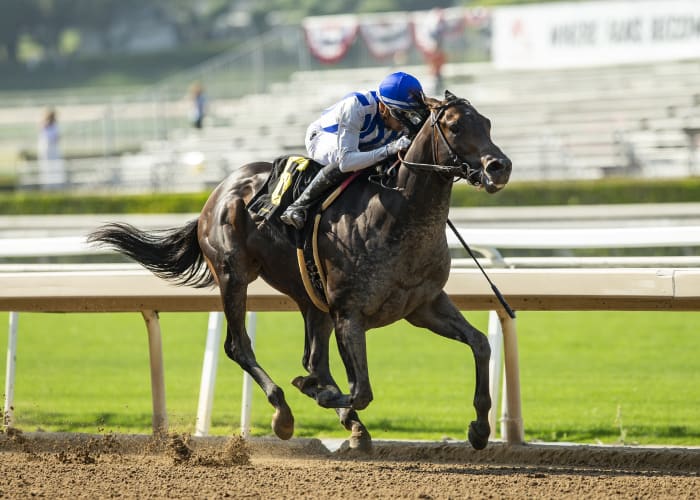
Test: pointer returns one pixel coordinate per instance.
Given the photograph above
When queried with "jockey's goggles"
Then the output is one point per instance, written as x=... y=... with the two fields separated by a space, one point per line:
x=411 y=116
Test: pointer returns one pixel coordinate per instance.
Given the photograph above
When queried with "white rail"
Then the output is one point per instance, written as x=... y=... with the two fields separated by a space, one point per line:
x=489 y=240
x=558 y=238
x=525 y=289
x=633 y=229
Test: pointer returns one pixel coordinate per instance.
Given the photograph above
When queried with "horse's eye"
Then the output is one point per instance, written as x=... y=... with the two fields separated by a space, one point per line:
x=455 y=127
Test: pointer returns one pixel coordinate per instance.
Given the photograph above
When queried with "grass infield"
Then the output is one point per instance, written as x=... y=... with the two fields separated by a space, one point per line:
x=588 y=377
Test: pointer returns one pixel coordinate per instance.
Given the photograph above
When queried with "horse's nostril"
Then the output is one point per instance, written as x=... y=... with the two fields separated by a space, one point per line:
x=498 y=165
x=494 y=166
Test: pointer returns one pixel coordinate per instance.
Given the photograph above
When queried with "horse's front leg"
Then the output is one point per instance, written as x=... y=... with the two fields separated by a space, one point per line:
x=352 y=345
x=319 y=384
x=442 y=317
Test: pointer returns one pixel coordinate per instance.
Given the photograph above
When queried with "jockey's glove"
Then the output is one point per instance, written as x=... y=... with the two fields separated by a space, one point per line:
x=400 y=144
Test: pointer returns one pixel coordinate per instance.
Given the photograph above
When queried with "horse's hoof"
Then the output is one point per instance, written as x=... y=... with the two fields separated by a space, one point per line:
x=331 y=399
x=360 y=439
x=307 y=385
x=283 y=423
x=479 y=434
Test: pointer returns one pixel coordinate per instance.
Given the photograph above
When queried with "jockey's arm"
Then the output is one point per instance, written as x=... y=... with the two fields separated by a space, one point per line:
x=350 y=158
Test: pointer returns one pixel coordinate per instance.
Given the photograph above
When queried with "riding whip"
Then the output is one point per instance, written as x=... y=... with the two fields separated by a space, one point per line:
x=500 y=298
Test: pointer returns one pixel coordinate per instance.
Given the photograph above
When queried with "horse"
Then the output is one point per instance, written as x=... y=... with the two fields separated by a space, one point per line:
x=383 y=251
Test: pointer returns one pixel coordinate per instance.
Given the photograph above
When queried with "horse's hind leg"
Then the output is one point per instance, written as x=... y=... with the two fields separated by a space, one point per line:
x=319 y=384
x=360 y=438
x=239 y=349
x=225 y=250
x=443 y=318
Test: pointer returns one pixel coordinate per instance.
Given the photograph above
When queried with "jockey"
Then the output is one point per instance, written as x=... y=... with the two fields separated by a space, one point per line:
x=359 y=131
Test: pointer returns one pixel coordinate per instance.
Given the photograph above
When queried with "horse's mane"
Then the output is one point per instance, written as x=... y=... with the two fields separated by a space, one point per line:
x=436 y=104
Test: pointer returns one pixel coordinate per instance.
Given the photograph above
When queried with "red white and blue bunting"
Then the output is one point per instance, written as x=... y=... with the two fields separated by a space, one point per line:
x=385 y=35
x=330 y=37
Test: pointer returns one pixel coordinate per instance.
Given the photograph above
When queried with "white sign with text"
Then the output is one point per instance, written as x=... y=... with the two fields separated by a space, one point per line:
x=595 y=33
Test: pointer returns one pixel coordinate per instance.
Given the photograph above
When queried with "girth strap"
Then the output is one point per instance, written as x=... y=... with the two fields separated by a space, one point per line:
x=321 y=302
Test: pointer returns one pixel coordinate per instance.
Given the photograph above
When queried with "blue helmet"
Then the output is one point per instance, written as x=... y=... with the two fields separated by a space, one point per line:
x=401 y=90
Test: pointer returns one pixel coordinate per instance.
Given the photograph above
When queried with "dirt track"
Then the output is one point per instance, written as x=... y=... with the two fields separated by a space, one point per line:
x=75 y=466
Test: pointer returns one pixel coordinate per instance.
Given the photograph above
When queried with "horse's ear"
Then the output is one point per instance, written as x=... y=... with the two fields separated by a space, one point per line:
x=449 y=95
x=430 y=102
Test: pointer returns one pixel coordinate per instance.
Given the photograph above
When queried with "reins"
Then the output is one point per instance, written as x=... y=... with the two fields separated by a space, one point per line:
x=461 y=169
x=495 y=289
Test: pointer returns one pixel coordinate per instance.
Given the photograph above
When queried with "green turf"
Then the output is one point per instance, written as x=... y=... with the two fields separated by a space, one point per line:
x=585 y=377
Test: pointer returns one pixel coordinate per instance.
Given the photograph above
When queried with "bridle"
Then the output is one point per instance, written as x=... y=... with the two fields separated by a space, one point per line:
x=459 y=168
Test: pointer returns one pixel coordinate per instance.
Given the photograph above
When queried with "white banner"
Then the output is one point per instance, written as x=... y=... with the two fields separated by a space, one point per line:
x=595 y=33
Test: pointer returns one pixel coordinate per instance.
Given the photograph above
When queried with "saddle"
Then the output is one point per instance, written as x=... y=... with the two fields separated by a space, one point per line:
x=287 y=180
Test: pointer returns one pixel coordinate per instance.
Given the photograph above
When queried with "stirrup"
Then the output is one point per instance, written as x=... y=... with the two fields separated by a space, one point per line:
x=294 y=217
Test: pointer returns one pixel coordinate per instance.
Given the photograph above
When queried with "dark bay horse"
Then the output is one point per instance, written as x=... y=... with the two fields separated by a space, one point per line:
x=384 y=254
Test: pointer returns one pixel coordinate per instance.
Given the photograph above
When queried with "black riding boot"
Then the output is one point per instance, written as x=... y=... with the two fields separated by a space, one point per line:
x=327 y=177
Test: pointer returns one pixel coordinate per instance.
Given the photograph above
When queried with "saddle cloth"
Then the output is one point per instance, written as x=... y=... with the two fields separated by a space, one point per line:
x=287 y=180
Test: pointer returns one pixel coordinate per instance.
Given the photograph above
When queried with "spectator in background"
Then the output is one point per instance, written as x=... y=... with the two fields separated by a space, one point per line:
x=52 y=173
x=436 y=61
x=199 y=105
x=436 y=57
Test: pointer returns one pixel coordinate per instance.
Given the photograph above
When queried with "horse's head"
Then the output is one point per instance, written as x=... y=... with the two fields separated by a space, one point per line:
x=461 y=137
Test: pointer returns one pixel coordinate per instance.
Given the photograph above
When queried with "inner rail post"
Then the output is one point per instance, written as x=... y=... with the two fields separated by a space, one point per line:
x=512 y=419
x=8 y=409
x=155 y=349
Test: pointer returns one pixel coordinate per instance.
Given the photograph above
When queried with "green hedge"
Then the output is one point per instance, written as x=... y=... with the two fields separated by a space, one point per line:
x=59 y=203
x=605 y=191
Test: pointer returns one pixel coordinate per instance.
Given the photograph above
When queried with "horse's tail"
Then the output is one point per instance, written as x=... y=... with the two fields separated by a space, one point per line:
x=171 y=254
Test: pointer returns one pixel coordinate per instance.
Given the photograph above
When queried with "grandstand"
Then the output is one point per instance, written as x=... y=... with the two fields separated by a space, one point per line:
x=635 y=120
x=639 y=120
x=585 y=123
